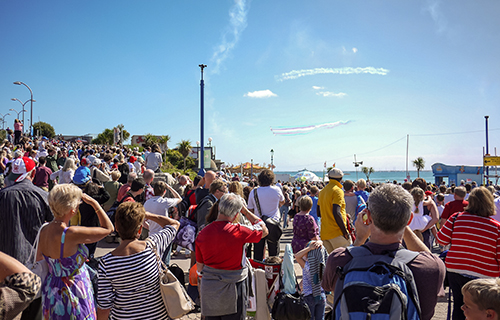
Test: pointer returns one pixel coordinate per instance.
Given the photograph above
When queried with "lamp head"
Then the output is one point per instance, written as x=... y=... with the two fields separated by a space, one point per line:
x=18 y=83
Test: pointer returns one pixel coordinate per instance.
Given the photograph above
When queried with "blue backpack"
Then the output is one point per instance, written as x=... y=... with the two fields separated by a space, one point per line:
x=376 y=287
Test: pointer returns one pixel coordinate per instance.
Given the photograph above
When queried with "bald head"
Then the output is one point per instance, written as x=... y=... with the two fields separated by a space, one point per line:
x=148 y=176
x=209 y=178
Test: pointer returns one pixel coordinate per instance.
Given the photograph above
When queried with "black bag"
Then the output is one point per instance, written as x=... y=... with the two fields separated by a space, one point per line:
x=292 y=212
x=272 y=225
x=290 y=307
x=178 y=273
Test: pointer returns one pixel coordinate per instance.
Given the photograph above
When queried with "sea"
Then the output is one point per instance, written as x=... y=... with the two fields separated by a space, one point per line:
x=377 y=176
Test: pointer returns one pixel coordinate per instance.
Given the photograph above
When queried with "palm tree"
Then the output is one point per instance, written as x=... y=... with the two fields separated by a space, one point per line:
x=419 y=163
x=163 y=141
x=367 y=171
x=185 y=149
x=149 y=139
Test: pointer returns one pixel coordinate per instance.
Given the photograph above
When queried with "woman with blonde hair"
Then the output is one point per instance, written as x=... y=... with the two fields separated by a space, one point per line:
x=66 y=174
x=67 y=290
x=112 y=188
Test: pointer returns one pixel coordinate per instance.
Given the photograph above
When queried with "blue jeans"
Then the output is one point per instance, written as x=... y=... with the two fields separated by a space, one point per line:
x=317 y=307
x=284 y=215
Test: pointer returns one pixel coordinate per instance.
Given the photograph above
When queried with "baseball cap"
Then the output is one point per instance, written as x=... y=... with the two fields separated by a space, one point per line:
x=96 y=162
x=21 y=167
x=132 y=159
x=335 y=173
x=84 y=161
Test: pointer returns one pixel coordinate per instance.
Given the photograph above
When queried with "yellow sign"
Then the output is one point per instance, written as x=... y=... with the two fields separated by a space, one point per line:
x=491 y=161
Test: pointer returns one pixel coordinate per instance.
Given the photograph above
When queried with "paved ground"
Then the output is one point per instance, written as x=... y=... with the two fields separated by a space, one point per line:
x=183 y=262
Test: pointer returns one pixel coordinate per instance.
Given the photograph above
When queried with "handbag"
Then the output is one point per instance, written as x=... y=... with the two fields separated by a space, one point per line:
x=272 y=225
x=40 y=268
x=176 y=300
x=288 y=306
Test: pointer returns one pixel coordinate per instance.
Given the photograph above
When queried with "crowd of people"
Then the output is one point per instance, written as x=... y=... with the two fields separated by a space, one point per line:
x=71 y=196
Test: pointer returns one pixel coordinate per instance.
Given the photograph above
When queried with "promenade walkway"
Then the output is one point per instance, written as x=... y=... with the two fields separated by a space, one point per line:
x=104 y=247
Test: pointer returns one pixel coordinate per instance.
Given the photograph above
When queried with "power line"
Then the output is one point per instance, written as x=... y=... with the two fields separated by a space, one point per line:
x=449 y=133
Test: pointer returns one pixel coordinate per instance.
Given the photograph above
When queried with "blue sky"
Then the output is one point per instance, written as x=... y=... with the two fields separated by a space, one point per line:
x=386 y=69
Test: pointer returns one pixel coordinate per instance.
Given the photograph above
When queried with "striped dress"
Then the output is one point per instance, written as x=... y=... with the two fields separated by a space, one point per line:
x=475 y=245
x=129 y=285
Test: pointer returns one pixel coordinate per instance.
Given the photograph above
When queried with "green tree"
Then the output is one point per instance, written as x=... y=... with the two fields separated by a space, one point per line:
x=367 y=171
x=176 y=159
x=163 y=141
x=106 y=137
x=41 y=128
x=149 y=140
x=419 y=163
x=184 y=148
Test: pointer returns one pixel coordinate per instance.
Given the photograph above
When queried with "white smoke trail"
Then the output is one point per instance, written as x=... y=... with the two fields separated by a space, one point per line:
x=231 y=35
x=294 y=74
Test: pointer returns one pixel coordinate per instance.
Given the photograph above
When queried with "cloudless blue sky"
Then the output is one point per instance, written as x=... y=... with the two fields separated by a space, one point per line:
x=430 y=69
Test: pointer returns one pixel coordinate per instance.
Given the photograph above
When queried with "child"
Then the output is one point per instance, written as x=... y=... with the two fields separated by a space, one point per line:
x=481 y=299
x=440 y=203
x=418 y=221
x=312 y=259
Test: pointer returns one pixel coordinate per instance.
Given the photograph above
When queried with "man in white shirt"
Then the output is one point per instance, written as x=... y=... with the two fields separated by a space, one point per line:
x=159 y=205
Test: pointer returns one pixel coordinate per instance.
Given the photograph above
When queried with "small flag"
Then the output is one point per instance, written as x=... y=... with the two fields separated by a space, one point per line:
x=333 y=165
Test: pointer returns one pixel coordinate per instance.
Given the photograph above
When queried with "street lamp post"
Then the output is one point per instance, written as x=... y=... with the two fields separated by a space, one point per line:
x=18 y=113
x=31 y=100
x=202 y=86
x=3 y=119
x=198 y=145
x=272 y=160
x=22 y=104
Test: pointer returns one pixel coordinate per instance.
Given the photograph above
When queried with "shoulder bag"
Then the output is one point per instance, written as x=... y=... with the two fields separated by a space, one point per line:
x=288 y=306
x=272 y=225
x=40 y=268
x=176 y=300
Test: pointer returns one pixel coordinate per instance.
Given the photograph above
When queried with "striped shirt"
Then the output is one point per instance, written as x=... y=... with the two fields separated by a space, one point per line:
x=475 y=245
x=129 y=285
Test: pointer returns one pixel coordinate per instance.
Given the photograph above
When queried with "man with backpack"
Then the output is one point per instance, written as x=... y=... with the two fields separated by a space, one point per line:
x=380 y=276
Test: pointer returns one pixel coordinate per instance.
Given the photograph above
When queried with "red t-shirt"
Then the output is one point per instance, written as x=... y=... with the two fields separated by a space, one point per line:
x=122 y=192
x=453 y=207
x=220 y=244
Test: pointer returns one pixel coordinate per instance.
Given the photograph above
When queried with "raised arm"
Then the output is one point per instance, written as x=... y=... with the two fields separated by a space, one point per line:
x=163 y=220
x=91 y=234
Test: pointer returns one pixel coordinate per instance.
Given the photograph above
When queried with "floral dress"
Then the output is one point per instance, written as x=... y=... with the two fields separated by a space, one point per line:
x=304 y=230
x=67 y=290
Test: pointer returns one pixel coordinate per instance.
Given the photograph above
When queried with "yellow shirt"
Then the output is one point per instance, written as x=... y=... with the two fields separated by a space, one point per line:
x=331 y=194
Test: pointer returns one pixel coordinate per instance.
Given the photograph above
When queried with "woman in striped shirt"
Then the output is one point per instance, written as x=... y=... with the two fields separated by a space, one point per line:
x=128 y=276
x=475 y=245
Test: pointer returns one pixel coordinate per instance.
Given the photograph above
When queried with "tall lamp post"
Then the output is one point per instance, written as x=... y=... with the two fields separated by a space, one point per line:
x=18 y=113
x=23 y=104
x=31 y=100
x=3 y=120
x=202 y=86
x=211 y=150
x=272 y=159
